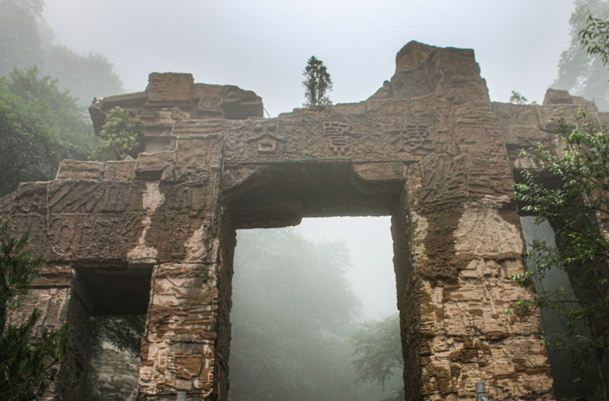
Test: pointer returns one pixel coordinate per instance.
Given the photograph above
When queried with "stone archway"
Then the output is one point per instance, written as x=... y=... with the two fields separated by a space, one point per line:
x=428 y=148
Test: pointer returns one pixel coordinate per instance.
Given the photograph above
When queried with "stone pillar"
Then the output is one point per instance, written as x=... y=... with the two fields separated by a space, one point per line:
x=467 y=247
x=178 y=348
x=186 y=343
x=466 y=257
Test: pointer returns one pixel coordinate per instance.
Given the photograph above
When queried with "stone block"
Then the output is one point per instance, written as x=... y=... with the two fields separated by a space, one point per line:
x=155 y=166
x=120 y=170
x=188 y=365
x=412 y=55
x=96 y=236
x=52 y=303
x=91 y=197
x=196 y=156
x=80 y=170
x=170 y=87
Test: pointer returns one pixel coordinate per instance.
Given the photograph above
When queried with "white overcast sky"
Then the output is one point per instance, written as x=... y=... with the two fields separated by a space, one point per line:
x=263 y=45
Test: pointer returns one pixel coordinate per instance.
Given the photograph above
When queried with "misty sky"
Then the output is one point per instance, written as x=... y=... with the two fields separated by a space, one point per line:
x=264 y=45
x=371 y=252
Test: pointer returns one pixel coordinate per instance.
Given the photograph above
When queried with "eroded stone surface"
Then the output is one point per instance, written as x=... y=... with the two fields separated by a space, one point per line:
x=482 y=230
x=152 y=198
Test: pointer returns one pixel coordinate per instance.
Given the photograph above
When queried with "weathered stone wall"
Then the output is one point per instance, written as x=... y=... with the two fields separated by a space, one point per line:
x=428 y=148
x=100 y=217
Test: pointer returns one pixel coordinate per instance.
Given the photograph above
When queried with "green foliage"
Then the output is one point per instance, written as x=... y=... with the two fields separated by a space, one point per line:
x=26 y=148
x=119 y=136
x=58 y=110
x=40 y=126
x=595 y=37
x=518 y=98
x=575 y=209
x=317 y=83
x=377 y=346
x=580 y=72
x=28 y=362
x=293 y=312
x=18 y=268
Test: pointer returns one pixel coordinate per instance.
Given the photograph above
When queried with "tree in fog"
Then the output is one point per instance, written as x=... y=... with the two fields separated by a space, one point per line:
x=19 y=41
x=378 y=349
x=317 y=83
x=378 y=353
x=39 y=126
x=27 y=41
x=85 y=75
x=581 y=73
x=292 y=314
x=41 y=123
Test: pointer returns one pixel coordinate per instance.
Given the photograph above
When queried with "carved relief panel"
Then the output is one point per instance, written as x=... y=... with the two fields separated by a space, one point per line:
x=266 y=138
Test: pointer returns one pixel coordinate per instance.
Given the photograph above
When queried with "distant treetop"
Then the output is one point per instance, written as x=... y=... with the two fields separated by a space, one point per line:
x=579 y=72
x=317 y=83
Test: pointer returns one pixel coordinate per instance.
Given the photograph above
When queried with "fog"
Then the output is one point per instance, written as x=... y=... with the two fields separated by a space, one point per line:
x=368 y=240
x=264 y=45
x=297 y=315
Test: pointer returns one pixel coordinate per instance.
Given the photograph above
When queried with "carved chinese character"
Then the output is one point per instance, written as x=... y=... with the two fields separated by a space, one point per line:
x=339 y=136
x=339 y=144
x=334 y=128
x=414 y=139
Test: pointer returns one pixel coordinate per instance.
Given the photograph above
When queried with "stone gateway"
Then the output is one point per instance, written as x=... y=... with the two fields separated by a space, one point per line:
x=156 y=235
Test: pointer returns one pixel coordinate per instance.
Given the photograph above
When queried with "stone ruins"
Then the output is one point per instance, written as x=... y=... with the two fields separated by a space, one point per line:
x=156 y=235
